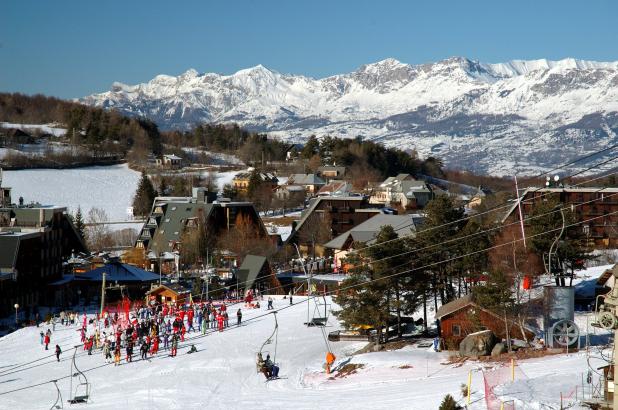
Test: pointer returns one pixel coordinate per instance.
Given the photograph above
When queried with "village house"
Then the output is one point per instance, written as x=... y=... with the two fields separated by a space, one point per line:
x=597 y=206
x=327 y=217
x=173 y=293
x=34 y=241
x=311 y=182
x=463 y=316
x=366 y=232
x=169 y=161
x=330 y=172
x=290 y=193
x=170 y=217
x=336 y=188
x=241 y=181
x=402 y=191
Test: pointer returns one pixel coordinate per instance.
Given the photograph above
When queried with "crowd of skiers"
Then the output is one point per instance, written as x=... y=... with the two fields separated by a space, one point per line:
x=148 y=328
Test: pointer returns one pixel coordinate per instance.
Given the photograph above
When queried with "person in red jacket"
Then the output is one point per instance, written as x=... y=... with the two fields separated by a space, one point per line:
x=46 y=341
x=155 y=346
x=220 y=322
x=183 y=330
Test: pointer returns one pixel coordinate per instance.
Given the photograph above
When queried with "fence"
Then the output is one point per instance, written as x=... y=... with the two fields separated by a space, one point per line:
x=499 y=376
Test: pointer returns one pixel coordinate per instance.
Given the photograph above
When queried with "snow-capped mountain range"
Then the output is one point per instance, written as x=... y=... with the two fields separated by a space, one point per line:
x=519 y=116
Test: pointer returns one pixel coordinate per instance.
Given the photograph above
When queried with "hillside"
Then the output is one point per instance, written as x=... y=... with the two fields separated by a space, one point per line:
x=523 y=116
x=222 y=375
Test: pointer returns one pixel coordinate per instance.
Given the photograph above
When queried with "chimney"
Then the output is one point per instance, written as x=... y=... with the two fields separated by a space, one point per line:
x=200 y=195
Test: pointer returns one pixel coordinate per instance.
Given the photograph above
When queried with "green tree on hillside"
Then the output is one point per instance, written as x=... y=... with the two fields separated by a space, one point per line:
x=144 y=196
x=78 y=222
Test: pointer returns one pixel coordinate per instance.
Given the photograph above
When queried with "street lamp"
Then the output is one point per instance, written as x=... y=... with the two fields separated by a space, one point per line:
x=16 y=306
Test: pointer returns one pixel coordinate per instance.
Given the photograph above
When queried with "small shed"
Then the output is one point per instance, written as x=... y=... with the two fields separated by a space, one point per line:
x=463 y=316
x=171 y=293
x=255 y=271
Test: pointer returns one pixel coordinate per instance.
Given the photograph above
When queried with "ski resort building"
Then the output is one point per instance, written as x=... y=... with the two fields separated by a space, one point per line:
x=34 y=241
x=170 y=217
x=598 y=207
x=328 y=217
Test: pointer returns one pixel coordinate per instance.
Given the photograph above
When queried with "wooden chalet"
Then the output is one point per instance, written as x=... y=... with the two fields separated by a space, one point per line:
x=463 y=316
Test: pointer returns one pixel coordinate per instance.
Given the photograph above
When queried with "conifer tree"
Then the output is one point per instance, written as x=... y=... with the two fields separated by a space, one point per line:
x=78 y=222
x=144 y=196
x=449 y=403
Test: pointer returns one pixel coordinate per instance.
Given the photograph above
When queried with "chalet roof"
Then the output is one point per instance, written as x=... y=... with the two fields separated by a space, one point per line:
x=172 y=222
x=340 y=170
x=264 y=176
x=306 y=179
x=366 y=232
x=173 y=287
x=250 y=269
x=454 y=306
x=334 y=187
x=120 y=272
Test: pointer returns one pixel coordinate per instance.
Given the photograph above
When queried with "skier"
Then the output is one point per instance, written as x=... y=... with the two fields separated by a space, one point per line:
x=226 y=319
x=46 y=341
x=174 y=345
x=107 y=354
x=238 y=317
x=270 y=303
x=58 y=351
x=155 y=346
x=42 y=337
x=144 y=350
x=130 y=350
x=220 y=322
x=117 y=355
x=192 y=350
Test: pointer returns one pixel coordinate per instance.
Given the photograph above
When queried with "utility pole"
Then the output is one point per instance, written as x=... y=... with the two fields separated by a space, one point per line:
x=102 y=294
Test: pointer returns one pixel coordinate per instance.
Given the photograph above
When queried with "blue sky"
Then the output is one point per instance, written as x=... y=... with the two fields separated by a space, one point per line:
x=74 y=48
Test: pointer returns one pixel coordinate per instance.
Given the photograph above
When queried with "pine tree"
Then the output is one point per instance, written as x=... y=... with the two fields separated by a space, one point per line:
x=449 y=403
x=80 y=226
x=144 y=196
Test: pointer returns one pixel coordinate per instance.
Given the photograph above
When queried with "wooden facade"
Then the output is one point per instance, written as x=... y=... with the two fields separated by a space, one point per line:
x=597 y=206
x=462 y=317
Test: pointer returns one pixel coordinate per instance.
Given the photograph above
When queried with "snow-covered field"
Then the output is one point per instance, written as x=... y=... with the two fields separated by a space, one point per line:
x=222 y=375
x=110 y=188
x=46 y=128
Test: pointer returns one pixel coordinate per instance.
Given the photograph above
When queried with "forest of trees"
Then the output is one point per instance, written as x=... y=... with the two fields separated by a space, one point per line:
x=99 y=129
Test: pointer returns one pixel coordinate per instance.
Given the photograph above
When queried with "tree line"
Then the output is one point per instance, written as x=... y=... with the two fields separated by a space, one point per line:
x=97 y=128
x=451 y=256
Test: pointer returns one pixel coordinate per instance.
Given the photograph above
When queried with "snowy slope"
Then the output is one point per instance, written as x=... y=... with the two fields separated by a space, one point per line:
x=221 y=375
x=110 y=188
x=495 y=118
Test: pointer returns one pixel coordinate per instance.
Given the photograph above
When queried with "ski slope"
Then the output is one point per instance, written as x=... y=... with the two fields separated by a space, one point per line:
x=222 y=374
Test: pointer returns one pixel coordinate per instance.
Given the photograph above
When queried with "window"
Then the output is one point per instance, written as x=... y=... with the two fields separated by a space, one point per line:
x=456 y=330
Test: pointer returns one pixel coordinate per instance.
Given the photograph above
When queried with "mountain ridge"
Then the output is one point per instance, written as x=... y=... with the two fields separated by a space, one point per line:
x=496 y=118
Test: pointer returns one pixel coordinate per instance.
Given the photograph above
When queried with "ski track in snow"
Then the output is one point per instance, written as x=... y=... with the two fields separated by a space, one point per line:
x=222 y=374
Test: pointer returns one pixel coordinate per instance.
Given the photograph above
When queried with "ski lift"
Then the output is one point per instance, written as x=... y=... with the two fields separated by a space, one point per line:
x=320 y=312
x=58 y=403
x=81 y=394
x=273 y=336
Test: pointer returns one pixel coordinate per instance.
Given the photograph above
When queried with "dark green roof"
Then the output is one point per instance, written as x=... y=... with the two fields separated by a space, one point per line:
x=173 y=221
x=250 y=270
x=9 y=248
